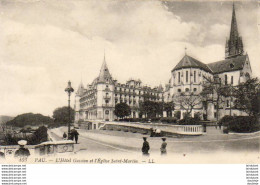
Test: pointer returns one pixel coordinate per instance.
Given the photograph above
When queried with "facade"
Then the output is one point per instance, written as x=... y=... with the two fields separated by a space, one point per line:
x=97 y=101
x=189 y=75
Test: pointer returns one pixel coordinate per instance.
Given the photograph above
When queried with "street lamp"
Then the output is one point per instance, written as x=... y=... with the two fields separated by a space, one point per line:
x=69 y=90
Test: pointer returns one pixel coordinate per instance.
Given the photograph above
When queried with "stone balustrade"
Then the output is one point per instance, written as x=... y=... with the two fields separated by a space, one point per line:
x=145 y=128
x=45 y=148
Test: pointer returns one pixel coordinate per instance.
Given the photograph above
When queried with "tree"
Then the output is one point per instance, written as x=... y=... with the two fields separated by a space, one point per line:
x=169 y=107
x=247 y=96
x=29 y=119
x=151 y=108
x=187 y=101
x=122 y=110
x=61 y=115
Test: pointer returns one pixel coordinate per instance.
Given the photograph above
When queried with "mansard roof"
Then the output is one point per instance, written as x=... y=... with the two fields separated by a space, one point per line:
x=227 y=65
x=189 y=62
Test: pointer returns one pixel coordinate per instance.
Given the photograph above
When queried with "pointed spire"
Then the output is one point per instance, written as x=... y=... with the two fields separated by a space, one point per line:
x=80 y=88
x=104 y=74
x=234 y=30
x=234 y=46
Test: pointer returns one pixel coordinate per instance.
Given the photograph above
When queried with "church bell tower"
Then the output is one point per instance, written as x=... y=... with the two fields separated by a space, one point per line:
x=234 y=45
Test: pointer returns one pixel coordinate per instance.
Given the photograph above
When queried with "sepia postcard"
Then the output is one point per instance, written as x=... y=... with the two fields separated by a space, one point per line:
x=129 y=82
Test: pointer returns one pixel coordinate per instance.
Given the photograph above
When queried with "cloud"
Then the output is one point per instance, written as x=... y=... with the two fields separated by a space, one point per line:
x=219 y=32
x=43 y=44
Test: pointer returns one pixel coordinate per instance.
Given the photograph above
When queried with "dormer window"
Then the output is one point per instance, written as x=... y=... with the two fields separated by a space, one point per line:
x=231 y=66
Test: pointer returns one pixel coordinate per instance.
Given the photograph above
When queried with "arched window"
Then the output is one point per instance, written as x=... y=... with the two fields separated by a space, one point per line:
x=187 y=90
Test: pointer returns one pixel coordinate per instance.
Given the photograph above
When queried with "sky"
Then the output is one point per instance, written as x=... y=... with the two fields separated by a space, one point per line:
x=45 y=43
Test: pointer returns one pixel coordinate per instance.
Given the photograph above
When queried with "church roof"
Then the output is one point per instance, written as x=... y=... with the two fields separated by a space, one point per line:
x=189 y=62
x=227 y=65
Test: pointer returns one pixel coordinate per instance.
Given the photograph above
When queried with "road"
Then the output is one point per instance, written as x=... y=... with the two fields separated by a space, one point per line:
x=214 y=144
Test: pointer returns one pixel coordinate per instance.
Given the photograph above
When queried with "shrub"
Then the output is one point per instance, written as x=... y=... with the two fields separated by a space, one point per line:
x=225 y=130
x=197 y=115
x=134 y=119
x=39 y=136
x=225 y=120
x=169 y=120
x=189 y=121
x=155 y=119
x=186 y=115
x=243 y=124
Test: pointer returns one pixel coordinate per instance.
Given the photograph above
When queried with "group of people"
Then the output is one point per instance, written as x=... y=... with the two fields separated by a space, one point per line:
x=73 y=135
x=146 y=147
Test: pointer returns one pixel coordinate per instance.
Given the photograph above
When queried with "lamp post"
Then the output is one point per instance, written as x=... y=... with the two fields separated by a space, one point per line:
x=69 y=90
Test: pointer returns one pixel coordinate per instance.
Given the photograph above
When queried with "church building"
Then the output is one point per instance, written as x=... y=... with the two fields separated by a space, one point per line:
x=188 y=76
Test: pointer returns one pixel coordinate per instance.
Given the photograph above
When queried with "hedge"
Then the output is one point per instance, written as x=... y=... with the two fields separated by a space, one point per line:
x=189 y=121
x=243 y=124
x=225 y=120
x=240 y=124
x=169 y=120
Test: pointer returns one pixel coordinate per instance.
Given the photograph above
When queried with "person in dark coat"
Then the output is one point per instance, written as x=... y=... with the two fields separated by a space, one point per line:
x=146 y=147
x=22 y=152
x=2 y=155
x=76 y=135
x=151 y=132
x=64 y=135
x=71 y=135
x=163 y=147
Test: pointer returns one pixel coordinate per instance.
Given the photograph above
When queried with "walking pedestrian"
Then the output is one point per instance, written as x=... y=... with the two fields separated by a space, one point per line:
x=163 y=146
x=146 y=147
x=76 y=135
